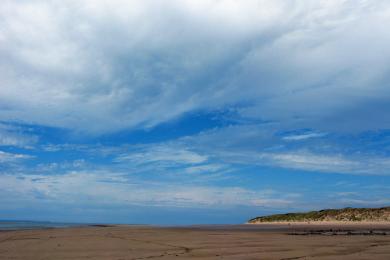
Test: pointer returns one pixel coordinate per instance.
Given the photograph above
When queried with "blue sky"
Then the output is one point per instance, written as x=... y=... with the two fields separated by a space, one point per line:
x=184 y=112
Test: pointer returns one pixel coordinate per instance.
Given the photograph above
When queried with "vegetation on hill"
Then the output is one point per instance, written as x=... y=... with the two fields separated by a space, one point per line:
x=345 y=214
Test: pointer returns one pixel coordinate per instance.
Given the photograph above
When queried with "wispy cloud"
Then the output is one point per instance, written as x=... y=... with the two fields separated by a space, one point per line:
x=365 y=202
x=305 y=136
x=162 y=154
x=206 y=168
x=263 y=145
x=221 y=150
x=328 y=163
x=11 y=135
x=118 y=188
x=13 y=157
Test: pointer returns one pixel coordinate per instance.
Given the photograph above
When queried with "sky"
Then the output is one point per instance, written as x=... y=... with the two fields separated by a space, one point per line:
x=182 y=112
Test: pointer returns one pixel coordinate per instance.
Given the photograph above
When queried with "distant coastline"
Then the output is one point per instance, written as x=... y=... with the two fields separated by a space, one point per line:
x=9 y=225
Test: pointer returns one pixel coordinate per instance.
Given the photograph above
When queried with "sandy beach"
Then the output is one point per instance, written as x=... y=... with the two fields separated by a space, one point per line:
x=200 y=242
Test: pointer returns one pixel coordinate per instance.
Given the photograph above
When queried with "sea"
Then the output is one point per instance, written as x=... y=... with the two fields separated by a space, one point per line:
x=23 y=224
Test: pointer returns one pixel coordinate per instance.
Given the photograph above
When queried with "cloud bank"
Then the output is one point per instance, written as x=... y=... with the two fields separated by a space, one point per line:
x=100 y=66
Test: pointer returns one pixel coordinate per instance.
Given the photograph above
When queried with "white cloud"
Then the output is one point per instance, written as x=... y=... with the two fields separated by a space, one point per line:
x=365 y=202
x=345 y=194
x=99 y=66
x=163 y=153
x=205 y=168
x=305 y=136
x=12 y=157
x=116 y=188
x=309 y=161
x=15 y=136
x=276 y=202
x=263 y=145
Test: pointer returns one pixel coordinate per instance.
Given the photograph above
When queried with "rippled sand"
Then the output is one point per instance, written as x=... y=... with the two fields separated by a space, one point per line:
x=202 y=242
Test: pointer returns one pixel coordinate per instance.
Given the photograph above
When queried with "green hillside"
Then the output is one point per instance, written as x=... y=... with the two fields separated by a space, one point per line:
x=345 y=214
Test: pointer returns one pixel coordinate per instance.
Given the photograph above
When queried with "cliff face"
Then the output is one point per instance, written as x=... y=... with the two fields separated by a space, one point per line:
x=346 y=214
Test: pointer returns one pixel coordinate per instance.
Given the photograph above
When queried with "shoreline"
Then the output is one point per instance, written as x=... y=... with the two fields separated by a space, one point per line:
x=260 y=226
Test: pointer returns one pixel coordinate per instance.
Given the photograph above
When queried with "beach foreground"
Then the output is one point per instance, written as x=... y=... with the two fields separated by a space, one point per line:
x=202 y=242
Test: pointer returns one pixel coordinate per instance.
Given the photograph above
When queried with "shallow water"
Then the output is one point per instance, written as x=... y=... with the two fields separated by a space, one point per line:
x=21 y=225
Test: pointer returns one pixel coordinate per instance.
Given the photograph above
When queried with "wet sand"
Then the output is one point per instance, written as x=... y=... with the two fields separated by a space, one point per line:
x=263 y=241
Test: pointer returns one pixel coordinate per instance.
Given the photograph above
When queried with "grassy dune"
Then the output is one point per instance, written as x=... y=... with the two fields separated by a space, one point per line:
x=345 y=214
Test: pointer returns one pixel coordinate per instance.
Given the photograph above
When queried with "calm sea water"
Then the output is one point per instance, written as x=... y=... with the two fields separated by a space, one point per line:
x=19 y=225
